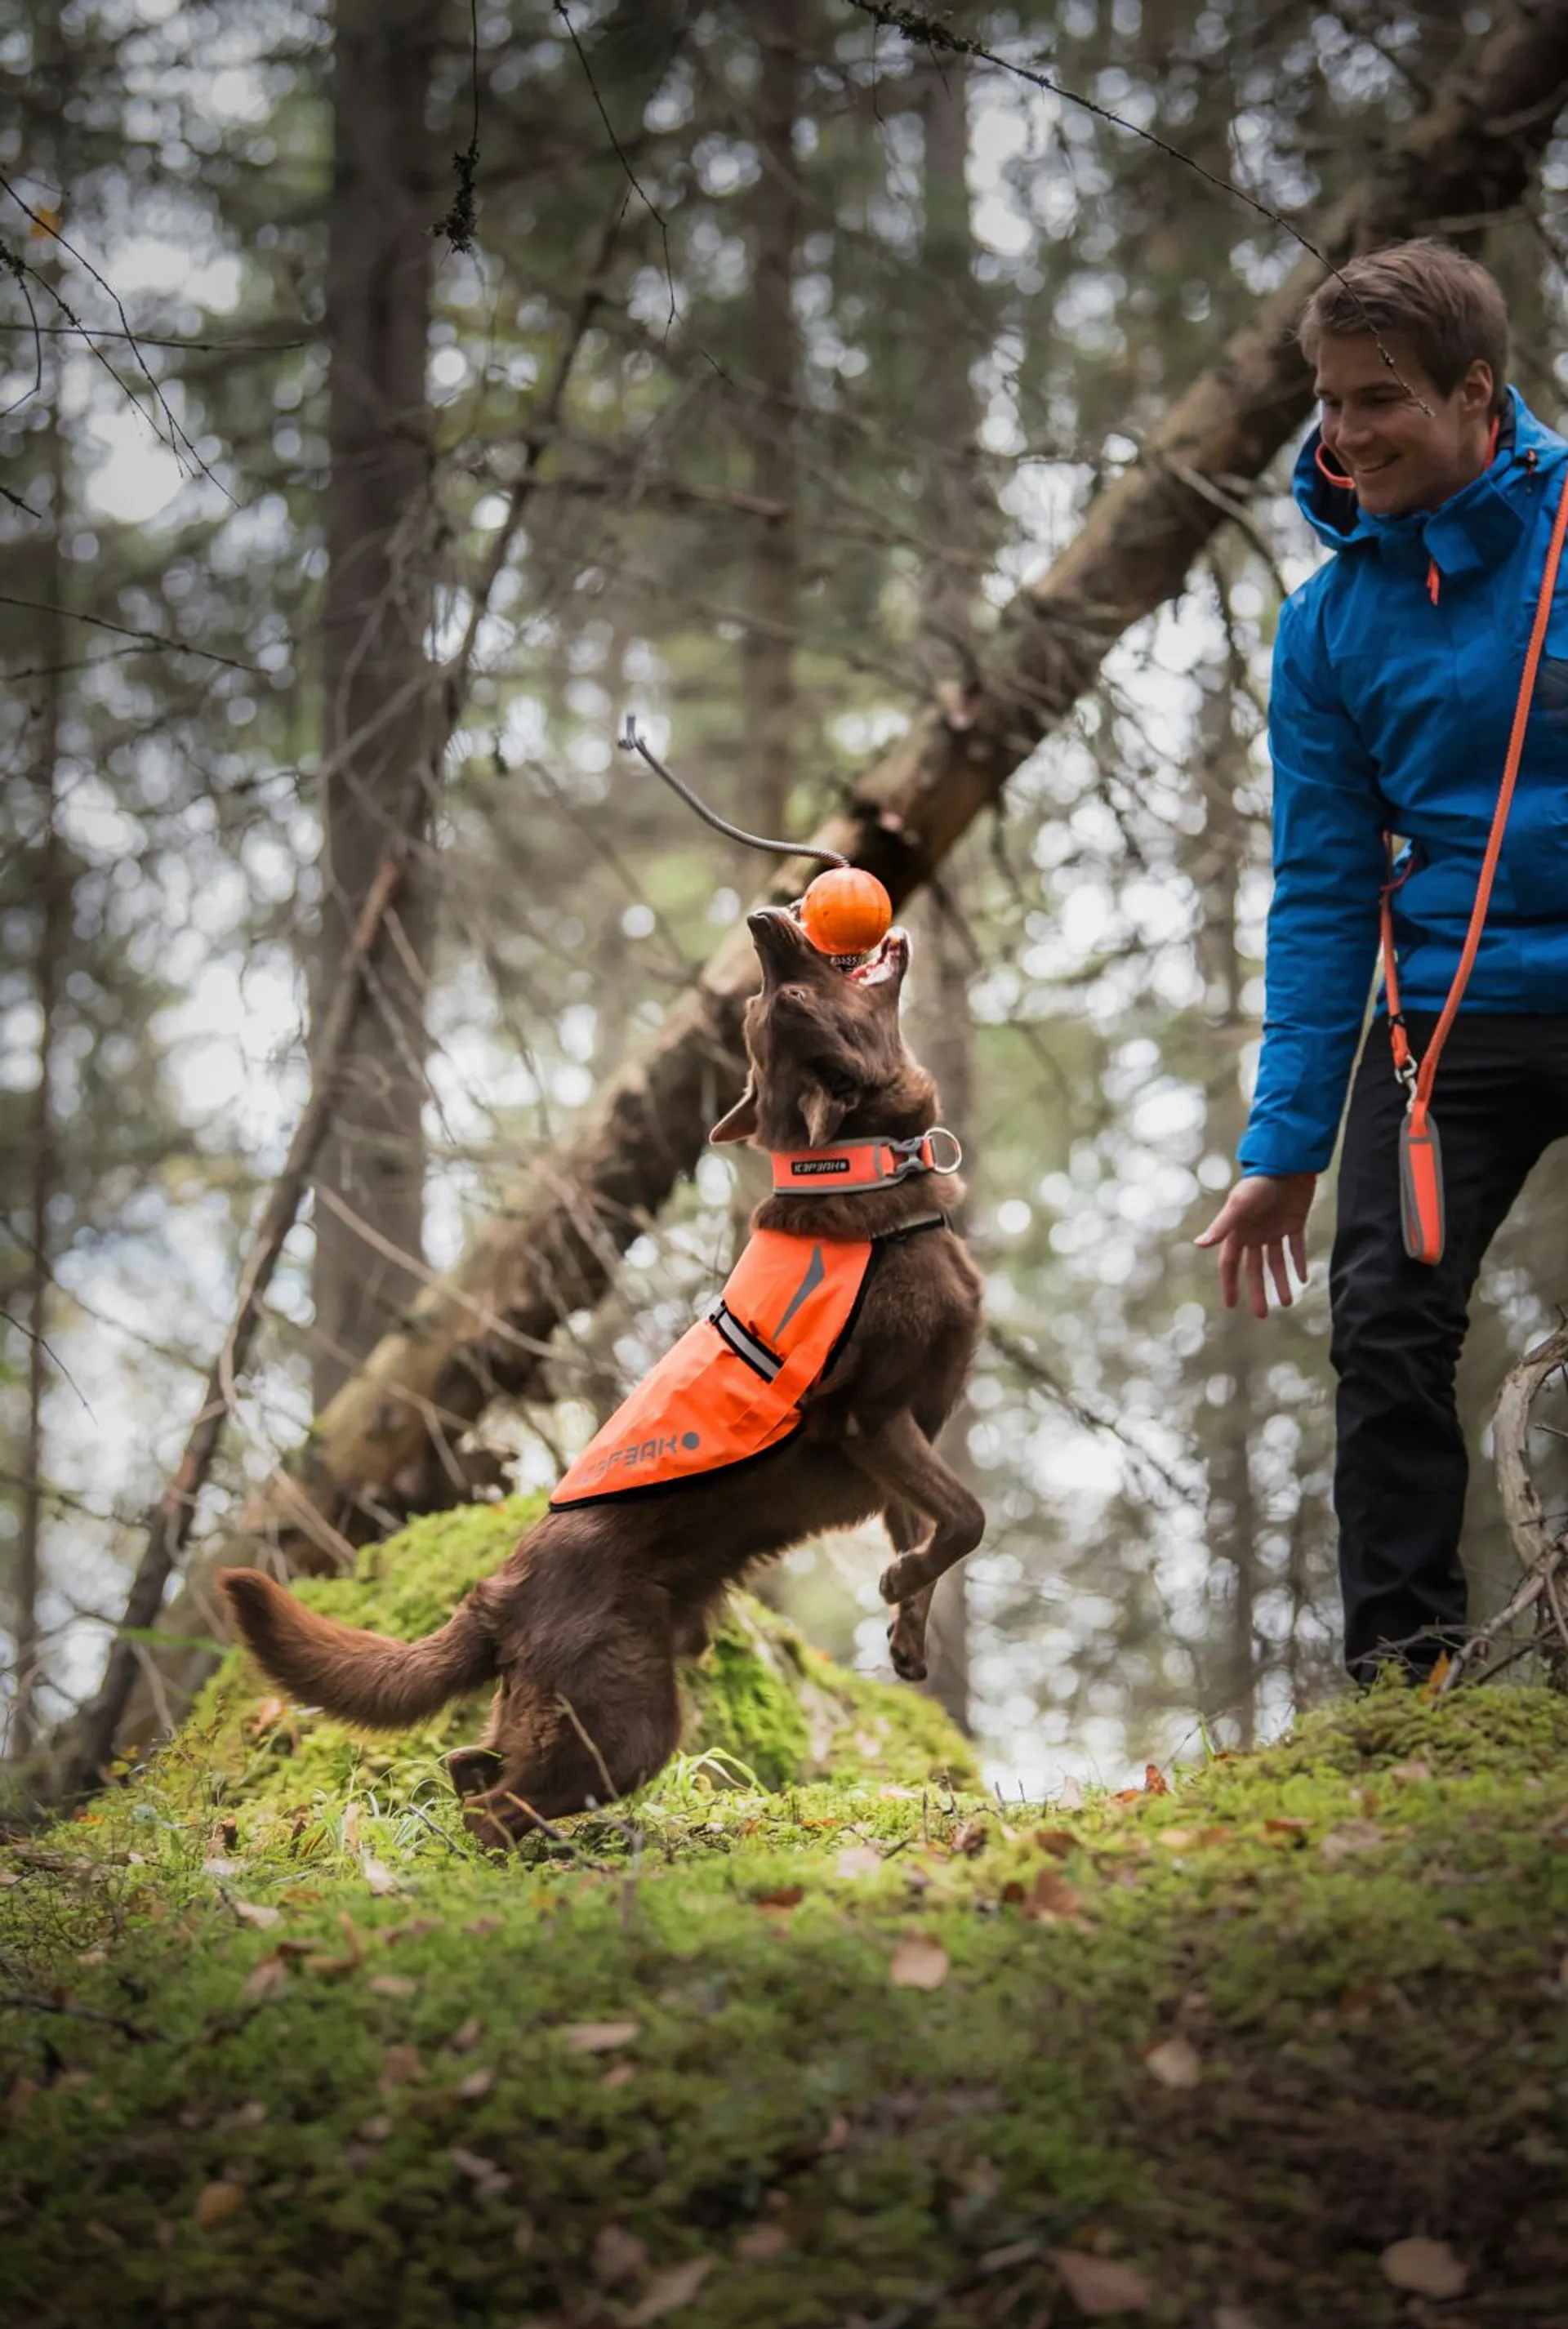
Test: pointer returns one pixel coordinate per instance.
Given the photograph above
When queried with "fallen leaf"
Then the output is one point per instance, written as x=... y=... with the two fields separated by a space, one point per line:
x=379 y=1876
x=376 y=2130
x=1349 y=1838
x=1098 y=2286
x=266 y=1978
x=760 y=2244
x=1071 y=1798
x=857 y=1860
x=668 y=2290
x=617 y=2254
x=598 y=2037
x=1282 y=1824
x=1154 y=1782
x=621 y=2076
x=1175 y=2062
x=1440 y=1674
x=919 y=1963
x=1425 y=2267
x=1050 y=1897
x=475 y=2086
x=264 y=1715
x=218 y=1865
x=1004 y=2259
x=23 y=2091
x=1059 y=1842
x=1234 y=2317
x=322 y=1961
x=478 y=1926
x=351 y=1828
x=225 y=1836
x=1410 y=1774
x=216 y=2202
x=970 y=1838
x=399 y=2065
x=248 y=2115
x=1177 y=1839
x=92 y=1958
x=837 y=2134
x=256 y=1912
x=467 y=2036
x=393 y=1985
x=787 y=1896
x=490 y=2180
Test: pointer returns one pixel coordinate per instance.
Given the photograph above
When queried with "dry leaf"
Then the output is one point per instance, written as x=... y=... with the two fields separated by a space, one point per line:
x=1177 y=1839
x=219 y=1865
x=857 y=1860
x=1004 y=2259
x=598 y=2037
x=1350 y=1837
x=1154 y=1782
x=1175 y=2062
x=92 y=1958
x=919 y=1963
x=1234 y=2317
x=760 y=2244
x=1050 y=1897
x=23 y=2091
x=476 y=2086
x=378 y=1875
x=1426 y=2268
x=617 y=2254
x=393 y=1985
x=467 y=2036
x=376 y=2130
x=254 y=1912
x=621 y=2076
x=1071 y=1798
x=1059 y=1842
x=1410 y=1774
x=267 y=1978
x=490 y=2180
x=1432 y=1685
x=322 y=1961
x=216 y=2202
x=351 y=1828
x=668 y=2290
x=263 y=1716
x=1098 y=2286
x=787 y=1896
x=399 y=2064
x=970 y=1838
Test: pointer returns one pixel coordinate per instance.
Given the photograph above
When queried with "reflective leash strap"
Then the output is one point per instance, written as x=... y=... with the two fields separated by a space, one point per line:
x=1421 y=1184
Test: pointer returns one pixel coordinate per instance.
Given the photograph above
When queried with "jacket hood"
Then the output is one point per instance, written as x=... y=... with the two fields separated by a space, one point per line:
x=1474 y=527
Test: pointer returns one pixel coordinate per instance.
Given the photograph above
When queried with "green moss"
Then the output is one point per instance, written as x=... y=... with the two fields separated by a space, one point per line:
x=1359 y=1933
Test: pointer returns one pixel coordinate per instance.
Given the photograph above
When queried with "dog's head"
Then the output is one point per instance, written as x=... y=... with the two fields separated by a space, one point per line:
x=828 y=1057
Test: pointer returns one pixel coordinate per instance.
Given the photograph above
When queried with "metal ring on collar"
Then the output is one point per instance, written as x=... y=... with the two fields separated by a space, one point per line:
x=940 y=1132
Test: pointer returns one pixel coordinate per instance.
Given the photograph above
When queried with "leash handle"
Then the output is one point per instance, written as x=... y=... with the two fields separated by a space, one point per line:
x=1421 y=1165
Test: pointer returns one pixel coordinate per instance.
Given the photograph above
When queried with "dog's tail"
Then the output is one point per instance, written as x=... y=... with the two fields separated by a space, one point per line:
x=358 y=1676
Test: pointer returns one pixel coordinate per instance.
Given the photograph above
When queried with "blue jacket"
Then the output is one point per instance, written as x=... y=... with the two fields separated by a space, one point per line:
x=1388 y=712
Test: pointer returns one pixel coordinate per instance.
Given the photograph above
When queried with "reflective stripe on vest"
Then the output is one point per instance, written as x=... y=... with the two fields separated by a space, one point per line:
x=732 y=1385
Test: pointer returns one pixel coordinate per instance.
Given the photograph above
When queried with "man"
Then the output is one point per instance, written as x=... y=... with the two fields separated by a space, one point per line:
x=1397 y=669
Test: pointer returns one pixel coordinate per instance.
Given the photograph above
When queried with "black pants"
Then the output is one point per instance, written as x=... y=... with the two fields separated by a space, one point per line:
x=1500 y=1100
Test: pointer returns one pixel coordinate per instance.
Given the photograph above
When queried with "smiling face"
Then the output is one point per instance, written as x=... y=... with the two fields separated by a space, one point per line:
x=1398 y=456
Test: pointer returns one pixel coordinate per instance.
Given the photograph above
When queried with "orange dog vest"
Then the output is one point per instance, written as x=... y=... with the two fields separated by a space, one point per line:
x=732 y=1385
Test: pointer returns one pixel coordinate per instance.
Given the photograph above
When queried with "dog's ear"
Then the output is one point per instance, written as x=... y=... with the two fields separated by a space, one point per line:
x=823 y=1112
x=742 y=1121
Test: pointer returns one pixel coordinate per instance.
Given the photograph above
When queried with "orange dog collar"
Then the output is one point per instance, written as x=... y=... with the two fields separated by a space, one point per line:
x=862 y=1163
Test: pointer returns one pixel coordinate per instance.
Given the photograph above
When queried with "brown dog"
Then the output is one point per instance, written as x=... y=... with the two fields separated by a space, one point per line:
x=582 y=1625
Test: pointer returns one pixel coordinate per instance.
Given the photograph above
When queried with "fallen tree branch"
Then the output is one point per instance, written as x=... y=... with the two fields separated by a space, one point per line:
x=1543 y=1555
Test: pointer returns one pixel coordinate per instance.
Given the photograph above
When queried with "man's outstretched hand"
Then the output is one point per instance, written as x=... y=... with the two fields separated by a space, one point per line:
x=1262 y=1220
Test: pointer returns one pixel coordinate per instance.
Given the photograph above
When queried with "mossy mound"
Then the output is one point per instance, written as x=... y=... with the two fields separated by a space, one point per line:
x=861 y=2051
x=760 y=1705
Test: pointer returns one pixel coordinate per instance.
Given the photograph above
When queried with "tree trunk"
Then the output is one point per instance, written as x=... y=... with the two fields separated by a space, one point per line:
x=766 y=664
x=54 y=908
x=386 y=1438
x=378 y=728
x=941 y=1029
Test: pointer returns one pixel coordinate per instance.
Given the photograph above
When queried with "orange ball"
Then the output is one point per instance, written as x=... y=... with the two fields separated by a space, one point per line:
x=846 y=911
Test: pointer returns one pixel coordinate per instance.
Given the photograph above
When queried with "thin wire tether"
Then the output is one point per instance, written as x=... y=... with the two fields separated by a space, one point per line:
x=632 y=742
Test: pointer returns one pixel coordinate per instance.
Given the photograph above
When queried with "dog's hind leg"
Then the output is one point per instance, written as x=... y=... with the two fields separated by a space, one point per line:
x=901 y=1460
x=906 y=1631
x=565 y=1752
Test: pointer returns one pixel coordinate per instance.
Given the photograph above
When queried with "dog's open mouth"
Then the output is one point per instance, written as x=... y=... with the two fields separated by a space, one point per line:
x=885 y=960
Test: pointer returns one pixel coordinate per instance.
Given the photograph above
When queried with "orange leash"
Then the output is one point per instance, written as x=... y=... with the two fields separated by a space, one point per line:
x=1421 y=1177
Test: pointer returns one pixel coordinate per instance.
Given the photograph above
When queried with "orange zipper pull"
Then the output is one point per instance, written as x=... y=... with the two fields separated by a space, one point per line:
x=1433 y=581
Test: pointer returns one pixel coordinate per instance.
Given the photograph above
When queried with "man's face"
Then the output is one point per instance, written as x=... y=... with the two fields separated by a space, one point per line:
x=1399 y=456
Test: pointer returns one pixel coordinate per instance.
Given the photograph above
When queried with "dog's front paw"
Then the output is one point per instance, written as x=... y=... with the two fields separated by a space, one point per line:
x=473 y=1770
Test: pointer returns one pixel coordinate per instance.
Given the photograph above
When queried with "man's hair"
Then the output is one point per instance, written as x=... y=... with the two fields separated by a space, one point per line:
x=1448 y=308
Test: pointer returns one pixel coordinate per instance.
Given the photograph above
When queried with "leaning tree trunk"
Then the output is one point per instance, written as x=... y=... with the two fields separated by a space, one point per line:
x=377 y=726
x=386 y=1441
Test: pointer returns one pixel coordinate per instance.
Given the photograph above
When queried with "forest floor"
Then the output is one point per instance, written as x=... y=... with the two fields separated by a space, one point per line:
x=1282 y=2040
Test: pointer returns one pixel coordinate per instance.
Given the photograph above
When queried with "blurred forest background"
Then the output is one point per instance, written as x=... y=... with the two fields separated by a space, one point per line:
x=773 y=354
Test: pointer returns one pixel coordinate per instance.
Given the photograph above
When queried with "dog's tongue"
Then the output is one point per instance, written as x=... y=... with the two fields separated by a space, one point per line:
x=869 y=969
